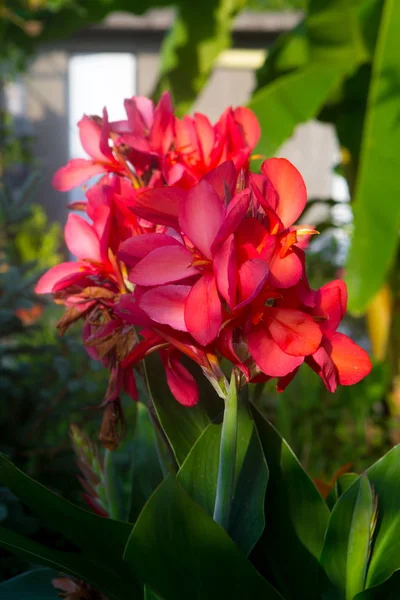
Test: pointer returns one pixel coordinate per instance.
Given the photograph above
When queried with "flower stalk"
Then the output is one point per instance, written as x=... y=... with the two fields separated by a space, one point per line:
x=227 y=456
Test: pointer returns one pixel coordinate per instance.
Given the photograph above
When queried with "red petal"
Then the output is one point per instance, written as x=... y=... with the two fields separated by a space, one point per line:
x=74 y=173
x=181 y=383
x=227 y=348
x=283 y=272
x=252 y=277
x=205 y=136
x=160 y=205
x=289 y=186
x=161 y=131
x=225 y=270
x=201 y=216
x=249 y=124
x=268 y=355
x=331 y=303
x=166 y=305
x=163 y=265
x=137 y=247
x=223 y=179
x=351 y=361
x=47 y=282
x=295 y=332
x=235 y=214
x=203 y=312
x=323 y=365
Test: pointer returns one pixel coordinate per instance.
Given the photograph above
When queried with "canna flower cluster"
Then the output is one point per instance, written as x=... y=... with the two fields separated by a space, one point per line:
x=184 y=251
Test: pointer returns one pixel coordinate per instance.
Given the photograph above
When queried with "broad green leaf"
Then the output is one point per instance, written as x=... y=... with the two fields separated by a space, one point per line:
x=389 y=590
x=304 y=69
x=341 y=485
x=85 y=529
x=145 y=471
x=376 y=208
x=384 y=477
x=201 y=31
x=71 y=563
x=182 y=553
x=347 y=542
x=296 y=518
x=199 y=473
x=290 y=100
x=182 y=425
x=32 y=585
x=149 y=594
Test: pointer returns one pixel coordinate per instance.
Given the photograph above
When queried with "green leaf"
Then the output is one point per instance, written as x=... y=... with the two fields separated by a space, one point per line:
x=305 y=68
x=346 y=548
x=199 y=473
x=149 y=594
x=182 y=553
x=32 y=585
x=145 y=471
x=290 y=100
x=376 y=209
x=101 y=540
x=389 y=590
x=341 y=485
x=384 y=477
x=201 y=31
x=296 y=519
x=85 y=529
x=71 y=563
x=182 y=425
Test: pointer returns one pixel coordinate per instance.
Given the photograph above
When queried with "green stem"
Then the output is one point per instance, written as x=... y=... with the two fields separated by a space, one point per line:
x=113 y=500
x=227 y=457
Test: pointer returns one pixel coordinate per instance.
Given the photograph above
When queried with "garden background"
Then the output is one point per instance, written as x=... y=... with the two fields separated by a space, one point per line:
x=332 y=62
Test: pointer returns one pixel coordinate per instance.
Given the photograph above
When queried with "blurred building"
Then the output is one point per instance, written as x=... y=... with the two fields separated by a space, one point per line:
x=103 y=65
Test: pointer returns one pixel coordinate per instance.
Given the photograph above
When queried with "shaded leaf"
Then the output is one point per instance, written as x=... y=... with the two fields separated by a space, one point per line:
x=296 y=518
x=182 y=553
x=32 y=585
x=346 y=548
x=199 y=474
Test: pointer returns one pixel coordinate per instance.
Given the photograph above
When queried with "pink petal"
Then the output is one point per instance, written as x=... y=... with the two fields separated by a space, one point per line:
x=203 y=311
x=127 y=308
x=225 y=270
x=289 y=186
x=181 y=383
x=74 y=173
x=330 y=304
x=166 y=305
x=252 y=276
x=160 y=205
x=235 y=214
x=268 y=355
x=81 y=239
x=163 y=265
x=351 y=361
x=295 y=332
x=47 y=281
x=223 y=179
x=249 y=124
x=90 y=134
x=146 y=109
x=201 y=216
x=137 y=247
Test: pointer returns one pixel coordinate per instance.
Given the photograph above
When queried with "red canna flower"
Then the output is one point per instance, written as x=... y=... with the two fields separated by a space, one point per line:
x=94 y=136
